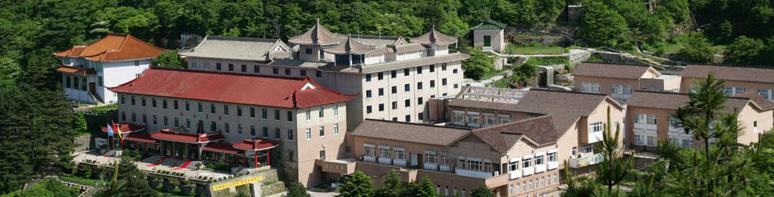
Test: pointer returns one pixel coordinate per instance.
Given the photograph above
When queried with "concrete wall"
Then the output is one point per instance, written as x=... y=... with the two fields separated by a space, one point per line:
x=497 y=36
x=117 y=73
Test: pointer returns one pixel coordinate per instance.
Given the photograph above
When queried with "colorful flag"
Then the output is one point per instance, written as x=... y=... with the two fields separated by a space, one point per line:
x=120 y=135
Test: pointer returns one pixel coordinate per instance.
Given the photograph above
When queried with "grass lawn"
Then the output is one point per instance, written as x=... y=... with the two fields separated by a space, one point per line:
x=81 y=180
x=534 y=50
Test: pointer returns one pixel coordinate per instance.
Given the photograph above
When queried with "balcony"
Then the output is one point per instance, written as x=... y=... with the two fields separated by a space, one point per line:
x=528 y=171
x=540 y=168
x=586 y=160
x=553 y=165
x=645 y=127
x=513 y=174
x=410 y=174
x=471 y=173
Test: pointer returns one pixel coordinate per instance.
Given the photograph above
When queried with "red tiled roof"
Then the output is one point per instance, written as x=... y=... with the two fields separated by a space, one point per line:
x=143 y=137
x=73 y=69
x=255 y=144
x=113 y=47
x=282 y=92
x=220 y=148
x=185 y=137
x=126 y=127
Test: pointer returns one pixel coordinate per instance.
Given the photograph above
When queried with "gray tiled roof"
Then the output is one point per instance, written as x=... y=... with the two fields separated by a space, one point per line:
x=672 y=101
x=409 y=132
x=731 y=73
x=372 y=68
x=434 y=37
x=564 y=106
x=236 y=48
x=610 y=70
x=539 y=130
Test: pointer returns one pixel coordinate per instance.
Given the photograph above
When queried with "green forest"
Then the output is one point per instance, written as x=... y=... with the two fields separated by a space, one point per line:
x=37 y=125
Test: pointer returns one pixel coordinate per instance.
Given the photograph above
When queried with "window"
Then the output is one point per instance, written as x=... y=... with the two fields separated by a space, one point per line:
x=588 y=148
x=443 y=81
x=239 y=110
x=244 y=68
x=407 y=87
x=368 y=77
x=380 y=76
x=369 y=109
x=552 y=157
x=405 y=72
x=400 y=154
x=394 y=105
x=252 y=130
x=539 y=160
x=408 y=118
x=275 y=71
x=164 y=103
x=264 y=113
x=308 y=114
x=308 y=51
x=419 y=70
x=145 y=120
x=394 y=89
x=277 y=133
x=318 y=73
x=590 y=87
x=212 y=108
x=276 y=114
x=308 y=134
x=227 y=128
x=430 y=157
x=217 y=66
x=419 y=85
x=336 y=110
x=649 y=119
x=381 y=91
x=369 y=150
x=432 y=68
x=252 y=112
x=187 y=106
x=407 y=103
x=322 y=131
x=265 y=132
x=454 y=71
x=239 y=128
x=381 y=107
x=420 y=116
x=443 y=66
x=420 y=101
x=287 y=71
x=432 y=83
x=595 y=127
x=302 y=72
x=230 y=67
x=290 y=134
x=513 y=166
x=166 y=120
x=321 y=113
x=256 y=69
x=527 y=163
x=368 y=93
x=393 y=74
x=290 y=116
x=142 y=99
x=225 y=109
x=336 y=129
x=322 y=155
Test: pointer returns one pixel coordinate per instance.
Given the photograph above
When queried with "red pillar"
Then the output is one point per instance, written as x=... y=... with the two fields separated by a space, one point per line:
x=268 y=157
x=255 y=159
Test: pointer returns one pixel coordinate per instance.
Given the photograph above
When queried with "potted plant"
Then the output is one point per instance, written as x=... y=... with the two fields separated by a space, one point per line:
x=187 y=187
x=170 y=184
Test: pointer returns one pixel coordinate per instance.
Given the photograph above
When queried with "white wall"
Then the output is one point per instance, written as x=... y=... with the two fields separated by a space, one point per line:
x=117 y=73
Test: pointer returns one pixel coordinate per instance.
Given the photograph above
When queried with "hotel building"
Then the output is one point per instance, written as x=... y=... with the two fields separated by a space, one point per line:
x=211 y=116
x=736 y=79
x=620 y=81
x=88 y=71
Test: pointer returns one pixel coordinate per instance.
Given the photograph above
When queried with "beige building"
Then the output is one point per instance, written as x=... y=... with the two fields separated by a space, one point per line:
x=651 y=116
x=578 y=117
x=620 y=81
x=518 y=158
x=391 y=77
x=197 y=115
x=737 y=80
x=489 y=36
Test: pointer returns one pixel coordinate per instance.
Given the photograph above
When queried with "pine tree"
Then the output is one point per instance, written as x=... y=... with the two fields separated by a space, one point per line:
x=392 y=186
x=128 y=181
x=295 y=189
x=424 y=188
x=357 y=185
x=481 y=191
x=613 y=169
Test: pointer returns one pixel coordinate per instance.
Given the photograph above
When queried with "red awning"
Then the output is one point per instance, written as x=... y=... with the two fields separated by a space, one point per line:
x=126 y=128
x=168 y=135
x=75 y=70
x=142 y=137
x=256 y=144
x=220 y=148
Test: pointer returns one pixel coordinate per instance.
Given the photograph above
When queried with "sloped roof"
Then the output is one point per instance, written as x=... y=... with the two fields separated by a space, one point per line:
x=538 y=130
x=564 y=106
x=113 y=47
x=317 y=35
x=236 y=48
x=731 y=73
x=611 y=70
x=281 y=92
x=255 y=144
x=489 y=25
x=169 y=135
x=434 y=37
x=672 y=101
x=351 y=46
x=409 y=132
x=75 y=70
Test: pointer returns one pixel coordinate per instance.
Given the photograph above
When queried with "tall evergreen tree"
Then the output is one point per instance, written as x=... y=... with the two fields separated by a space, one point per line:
x=357 y=185
x=481 y=191
x=424 y=188
x=391 y=186
x=613 y=169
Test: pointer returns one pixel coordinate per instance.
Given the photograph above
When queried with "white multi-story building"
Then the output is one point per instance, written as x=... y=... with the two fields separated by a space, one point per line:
x=88 y=71
x=392 y=77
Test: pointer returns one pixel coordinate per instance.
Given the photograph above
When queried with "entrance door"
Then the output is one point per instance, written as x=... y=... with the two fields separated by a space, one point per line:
x=487 y=41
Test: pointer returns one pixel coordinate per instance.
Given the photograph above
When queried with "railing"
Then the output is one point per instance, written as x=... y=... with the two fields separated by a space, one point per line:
x=586 y=161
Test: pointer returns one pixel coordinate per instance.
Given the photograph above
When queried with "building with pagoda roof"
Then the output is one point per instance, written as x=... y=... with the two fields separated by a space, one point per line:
x=245 y=120
x=392 y=76
x=88 y=70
